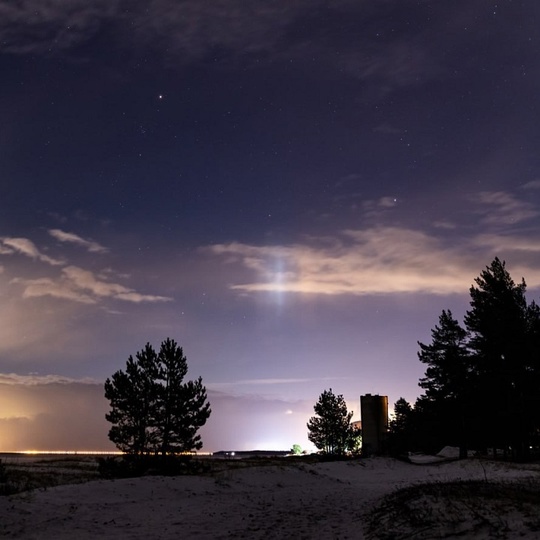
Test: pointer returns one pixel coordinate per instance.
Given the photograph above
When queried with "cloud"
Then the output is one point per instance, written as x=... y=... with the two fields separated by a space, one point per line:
x=82 y=286
x=243 y=31
x=26 y=247
x=189 y=30
x=63 y=236
x=136 y=298
x=35 y=288
x=533 y=184
x=375 y=209
x=268 y=382
x=508 y=243
x=374 y=261
x=502 y=208
x=442 y=224
x=387 y=202
x=73 y=282
x=380 y=260
x=35 y=379
x=33 y=26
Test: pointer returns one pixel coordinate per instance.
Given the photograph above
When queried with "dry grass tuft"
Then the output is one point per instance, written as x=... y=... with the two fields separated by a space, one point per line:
x=461 y=508
x=20 y=474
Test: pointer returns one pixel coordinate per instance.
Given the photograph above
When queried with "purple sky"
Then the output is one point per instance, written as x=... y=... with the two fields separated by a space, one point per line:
x=293 y=191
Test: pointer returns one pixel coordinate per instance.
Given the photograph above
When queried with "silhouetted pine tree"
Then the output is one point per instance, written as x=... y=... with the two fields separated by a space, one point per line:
x=483 y=383
x=331 y=430
x=401 y=429
x=504 y=357
x=152 y=409
x=132 y=395
x=447 y=383
x=181 y=408
x=531 y=386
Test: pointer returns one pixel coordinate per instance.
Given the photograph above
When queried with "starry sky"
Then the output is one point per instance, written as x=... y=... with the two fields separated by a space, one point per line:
x=293 y=190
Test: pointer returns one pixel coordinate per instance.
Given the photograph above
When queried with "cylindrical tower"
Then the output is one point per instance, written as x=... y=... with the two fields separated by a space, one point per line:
x=374 y=413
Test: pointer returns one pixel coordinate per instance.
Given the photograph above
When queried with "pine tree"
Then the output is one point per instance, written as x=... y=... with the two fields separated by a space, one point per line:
x=499 y=325
x=182 y=407
x=133 y=395
x=401 y=429
x=152 y=409
x=531 y=384
x=331 y=430
x=448 y=380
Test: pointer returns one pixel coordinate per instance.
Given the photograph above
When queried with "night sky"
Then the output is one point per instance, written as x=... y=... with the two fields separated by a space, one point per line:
x=293 y=190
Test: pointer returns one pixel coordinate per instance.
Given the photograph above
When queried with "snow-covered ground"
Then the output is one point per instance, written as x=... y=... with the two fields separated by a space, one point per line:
x=322 y=500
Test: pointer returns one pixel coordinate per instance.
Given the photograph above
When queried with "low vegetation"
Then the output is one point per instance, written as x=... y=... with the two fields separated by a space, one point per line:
x=460 y=508
x=27 y=473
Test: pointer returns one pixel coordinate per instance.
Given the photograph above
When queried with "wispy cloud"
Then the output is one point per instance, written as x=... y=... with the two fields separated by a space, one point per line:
x=503 y=208
x=35 y=288
x=26 y=247
x=190 y=27
x=90 y=245
x=268 y=382
x=33 y=378
x=533 y=184
x=371 y=261
x=379 y=260
x=443 y=224
x=72 y=282
x=32 y=26
x=387 y=202
x=375 y=209
x=508 y=243
x=82 y=286
x=187 y=31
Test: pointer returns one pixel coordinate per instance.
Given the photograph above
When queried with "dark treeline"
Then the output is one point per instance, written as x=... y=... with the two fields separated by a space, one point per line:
x=482 y=380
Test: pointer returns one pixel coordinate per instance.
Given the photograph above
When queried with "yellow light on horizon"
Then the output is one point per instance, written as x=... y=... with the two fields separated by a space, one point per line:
x=66 y=452
x=85 y=452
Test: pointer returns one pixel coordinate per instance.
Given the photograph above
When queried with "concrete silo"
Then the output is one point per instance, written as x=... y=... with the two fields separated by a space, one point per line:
x=374 y=413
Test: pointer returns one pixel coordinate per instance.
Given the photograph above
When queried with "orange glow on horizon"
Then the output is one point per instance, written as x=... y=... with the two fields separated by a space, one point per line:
x=83 y=452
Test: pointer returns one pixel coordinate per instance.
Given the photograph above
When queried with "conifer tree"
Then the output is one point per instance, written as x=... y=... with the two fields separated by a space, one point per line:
x=152 y=409
x=182 y=408
x=500 y=342
x=133 y=394
x=330 y=430
x=447 y=381
x=401 y=430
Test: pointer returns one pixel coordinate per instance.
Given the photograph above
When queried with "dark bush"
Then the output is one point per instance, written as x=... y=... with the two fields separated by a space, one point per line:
x=3 y=473
x=132 y=466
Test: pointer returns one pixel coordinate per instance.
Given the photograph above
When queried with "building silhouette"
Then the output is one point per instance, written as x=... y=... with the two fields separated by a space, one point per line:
x=374 y=415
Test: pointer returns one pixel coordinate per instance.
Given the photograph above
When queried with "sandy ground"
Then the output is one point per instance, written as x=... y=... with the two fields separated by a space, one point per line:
x=301 y=501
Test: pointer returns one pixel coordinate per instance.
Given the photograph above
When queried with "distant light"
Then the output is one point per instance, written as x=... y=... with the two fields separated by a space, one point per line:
x=86 y=453
x=69 y=452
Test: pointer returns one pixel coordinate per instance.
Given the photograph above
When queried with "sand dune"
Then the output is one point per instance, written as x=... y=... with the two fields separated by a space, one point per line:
x=310 y=501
